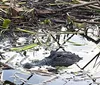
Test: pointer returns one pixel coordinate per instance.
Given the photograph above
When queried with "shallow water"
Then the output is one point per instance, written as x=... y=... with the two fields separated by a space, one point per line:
x=87 y=50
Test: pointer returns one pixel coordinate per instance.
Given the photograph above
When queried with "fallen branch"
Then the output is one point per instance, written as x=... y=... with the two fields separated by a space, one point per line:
x=95 y=7
x=89 y=22
x=79 y=5
x=92 y=6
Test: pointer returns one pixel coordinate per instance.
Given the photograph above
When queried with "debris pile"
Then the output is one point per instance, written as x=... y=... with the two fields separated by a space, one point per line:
x=42 y=23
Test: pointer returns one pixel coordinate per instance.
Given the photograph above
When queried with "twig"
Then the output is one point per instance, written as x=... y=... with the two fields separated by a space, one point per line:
x=11 y=58
x=51 y=79
x=3 y=10
x=95 y=61
x=3 y=64
x=79 y=5
x=89 y=38
x=86 y=79
x=90 y=61
x=96 y=7
x=57 y=43
x=27 y=79
x=79 y=21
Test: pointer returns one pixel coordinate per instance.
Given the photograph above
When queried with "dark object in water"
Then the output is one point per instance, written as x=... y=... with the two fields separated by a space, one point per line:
x=8 y=83
x=59 y=58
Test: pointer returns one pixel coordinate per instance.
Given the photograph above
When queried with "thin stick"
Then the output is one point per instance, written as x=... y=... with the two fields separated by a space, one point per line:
x=27 y=79
x=89 y=22
x=90 y=61
x=79 y=5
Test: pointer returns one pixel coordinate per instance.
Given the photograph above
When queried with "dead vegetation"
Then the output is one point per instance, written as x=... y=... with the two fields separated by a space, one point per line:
x=41 y=18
